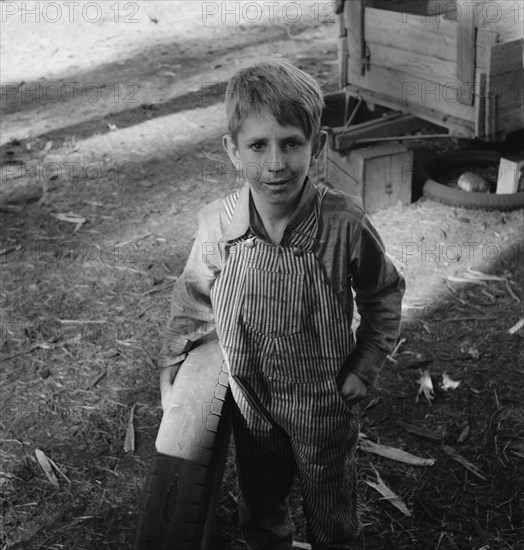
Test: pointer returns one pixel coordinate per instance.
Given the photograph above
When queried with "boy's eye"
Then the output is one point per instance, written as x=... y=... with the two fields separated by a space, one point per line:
x=292 y=144
x=257 y=146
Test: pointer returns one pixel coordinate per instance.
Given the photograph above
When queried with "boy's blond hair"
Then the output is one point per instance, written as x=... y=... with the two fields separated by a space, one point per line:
x=292 y=96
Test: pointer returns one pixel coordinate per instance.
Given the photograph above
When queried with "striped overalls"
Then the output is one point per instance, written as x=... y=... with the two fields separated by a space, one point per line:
x=285 y=336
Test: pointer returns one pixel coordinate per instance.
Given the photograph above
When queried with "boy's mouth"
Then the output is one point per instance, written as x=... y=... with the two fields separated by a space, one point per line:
x=277 y=182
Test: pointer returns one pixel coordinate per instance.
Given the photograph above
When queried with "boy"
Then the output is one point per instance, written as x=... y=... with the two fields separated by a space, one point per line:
x=272 y=267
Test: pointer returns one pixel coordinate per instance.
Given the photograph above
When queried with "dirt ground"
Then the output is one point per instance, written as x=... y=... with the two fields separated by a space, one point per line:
x=110 y=143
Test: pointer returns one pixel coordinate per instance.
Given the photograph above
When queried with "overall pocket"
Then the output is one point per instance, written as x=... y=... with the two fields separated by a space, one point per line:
x=273 y=302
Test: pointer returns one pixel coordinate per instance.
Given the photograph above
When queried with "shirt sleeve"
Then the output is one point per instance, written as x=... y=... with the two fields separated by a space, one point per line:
x=378 y=295
x=191 y=317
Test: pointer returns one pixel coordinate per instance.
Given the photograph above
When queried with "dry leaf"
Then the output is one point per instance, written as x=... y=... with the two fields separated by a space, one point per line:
x=422 y=432
x=70 y=218
x=448 y=383
x=517 y=326
x=391 y=356
x=426 y=387
x=393 y=453
x=46 y=466
x=58 y=470
x=464 y=434
x=388 y=494
x=373 y=402
x=484 y=276
x=469 y=280
x=129 y=443
x=466 y=463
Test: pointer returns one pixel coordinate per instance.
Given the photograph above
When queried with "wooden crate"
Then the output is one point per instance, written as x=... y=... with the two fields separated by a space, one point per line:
x=461 y=68
x=379 y=176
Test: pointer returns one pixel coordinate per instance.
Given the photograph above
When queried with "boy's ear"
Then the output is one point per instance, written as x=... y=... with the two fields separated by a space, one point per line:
x=231 y=148
x=318 y=146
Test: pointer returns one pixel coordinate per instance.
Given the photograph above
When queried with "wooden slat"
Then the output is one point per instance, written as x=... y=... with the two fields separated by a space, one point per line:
x=505 y=103
x=354 y=19
x=491 y=124
x=466 y=55
x=342 y=60
x=400 y=26
x=485 y=41
x=413 y=63
x=412 y=34
x=506 y=57
x=480 y=104
x=509 y=88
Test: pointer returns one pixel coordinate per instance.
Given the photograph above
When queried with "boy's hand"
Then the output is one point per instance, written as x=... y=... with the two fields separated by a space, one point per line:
x=351 y=387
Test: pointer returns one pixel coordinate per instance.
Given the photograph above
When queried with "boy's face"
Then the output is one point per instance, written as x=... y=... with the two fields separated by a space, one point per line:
x=274 y=159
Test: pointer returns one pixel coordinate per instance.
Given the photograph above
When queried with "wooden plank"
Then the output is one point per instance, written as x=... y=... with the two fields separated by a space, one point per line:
x=429 y=100
x=509 y=88
x=413 y=63
x=426 y=35
x=342 y=61
x=506 y=57
x=490 y=119
x=431 y=23
x=354 y=19
x=341 y=22
x=506 y=95
x=385 y=180
x=485 y=40
x=500 y=105
x=480 y=104
x=466 y=56
x=376 y=175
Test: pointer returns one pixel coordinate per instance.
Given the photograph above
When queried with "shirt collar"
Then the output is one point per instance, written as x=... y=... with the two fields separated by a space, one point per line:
x=240 y=222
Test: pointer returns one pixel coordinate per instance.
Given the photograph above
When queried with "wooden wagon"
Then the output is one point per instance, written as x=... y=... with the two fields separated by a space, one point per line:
x=455 y=63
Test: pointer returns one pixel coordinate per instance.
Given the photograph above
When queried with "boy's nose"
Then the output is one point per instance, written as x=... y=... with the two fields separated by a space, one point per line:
x=275 y=161
x=275 y=168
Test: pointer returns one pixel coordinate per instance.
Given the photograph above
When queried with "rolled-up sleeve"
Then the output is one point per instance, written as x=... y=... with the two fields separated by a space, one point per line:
x=378 y=295
x=191 y=316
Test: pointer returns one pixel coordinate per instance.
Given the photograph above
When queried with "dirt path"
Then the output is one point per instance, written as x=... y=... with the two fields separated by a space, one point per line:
x=84 y=301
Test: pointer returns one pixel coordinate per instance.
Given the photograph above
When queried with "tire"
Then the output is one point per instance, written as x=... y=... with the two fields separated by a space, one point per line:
x=181 y=495
x=461 y=161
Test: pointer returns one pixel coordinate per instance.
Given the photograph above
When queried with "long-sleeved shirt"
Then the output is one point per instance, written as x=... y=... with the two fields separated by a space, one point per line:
x=347 y=247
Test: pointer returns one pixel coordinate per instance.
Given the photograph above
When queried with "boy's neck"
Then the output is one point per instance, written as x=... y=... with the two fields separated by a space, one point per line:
x=273 y=213
x=275 y=217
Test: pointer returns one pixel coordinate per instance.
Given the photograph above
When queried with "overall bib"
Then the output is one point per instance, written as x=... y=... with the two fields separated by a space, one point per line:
x=285 y=336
